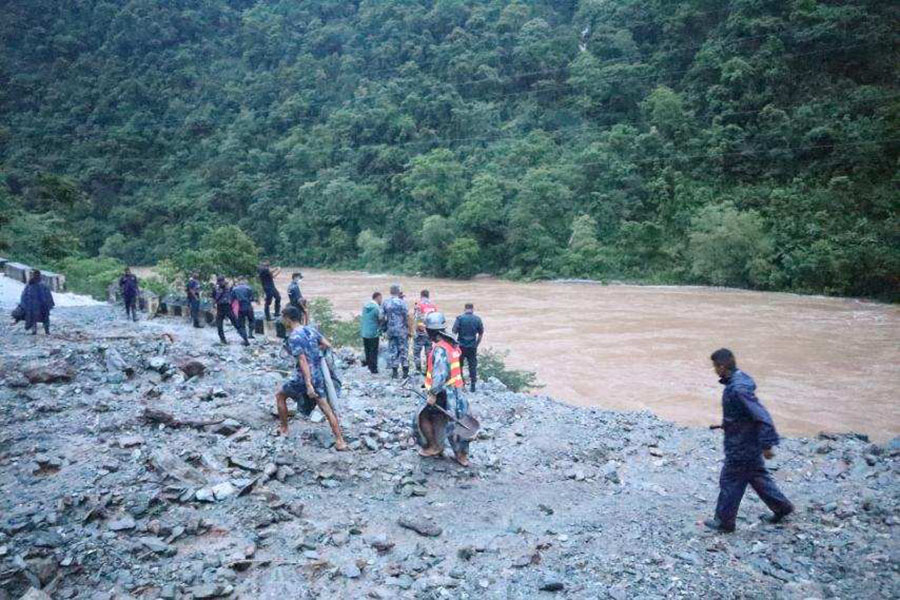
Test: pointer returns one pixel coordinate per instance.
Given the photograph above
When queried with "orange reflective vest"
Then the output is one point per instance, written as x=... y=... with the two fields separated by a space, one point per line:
x=453 y=355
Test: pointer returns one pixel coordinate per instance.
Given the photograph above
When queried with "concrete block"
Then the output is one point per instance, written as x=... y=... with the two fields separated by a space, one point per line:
x=56 y=281
x=3 y=262
x=17 y=271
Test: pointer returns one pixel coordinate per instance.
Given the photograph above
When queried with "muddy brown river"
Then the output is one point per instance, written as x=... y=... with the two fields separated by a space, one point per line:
x=820 y=363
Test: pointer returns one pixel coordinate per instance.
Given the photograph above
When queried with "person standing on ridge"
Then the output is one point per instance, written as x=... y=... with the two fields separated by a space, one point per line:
x=396 y=319
x=192 y=289
x=422 y=343
x=245 y=297
x=295 y=297
x=267 y=277
x=307 y=386
x=469 y=331
x=443 y=382
x=128 y=286
x=749 y=438
x=370 y=330
x=36 y=302
x=223 y=297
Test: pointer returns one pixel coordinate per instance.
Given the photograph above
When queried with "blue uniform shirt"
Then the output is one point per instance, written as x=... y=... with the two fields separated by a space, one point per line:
x=244 y=294
x=396 y=313
x=468 y=327
x=305 y=340
x=747 y=424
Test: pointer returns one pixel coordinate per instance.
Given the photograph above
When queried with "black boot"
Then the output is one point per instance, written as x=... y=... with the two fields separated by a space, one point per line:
x=717 y=525
x=776 y=517
x=472 y=387
x=394 y=373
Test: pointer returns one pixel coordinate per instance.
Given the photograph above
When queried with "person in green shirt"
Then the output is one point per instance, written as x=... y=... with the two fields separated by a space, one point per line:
x=370 y=330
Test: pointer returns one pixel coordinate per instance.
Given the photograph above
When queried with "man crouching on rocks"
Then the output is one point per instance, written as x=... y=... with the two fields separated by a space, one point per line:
x=307 y=386
x=443 y=380
x=749 y=438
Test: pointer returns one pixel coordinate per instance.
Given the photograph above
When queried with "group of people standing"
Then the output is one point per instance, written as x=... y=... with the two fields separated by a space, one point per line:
x=235 y=303
x=393 y=318
x=437 y=418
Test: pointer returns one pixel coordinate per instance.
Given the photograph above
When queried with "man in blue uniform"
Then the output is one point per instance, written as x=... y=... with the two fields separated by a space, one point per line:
x=469 y=331
x=307 y=386
x=192 y=289
x=295 y=296
x=245 y=297
x=128 y=285
x=267 y=278
x=223 y=297
x=396 y=317
x=749 y=438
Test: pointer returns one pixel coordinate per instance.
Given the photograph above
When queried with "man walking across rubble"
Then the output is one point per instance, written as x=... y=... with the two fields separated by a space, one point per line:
x=223 y=296
x=307 y=386
x=749 y=438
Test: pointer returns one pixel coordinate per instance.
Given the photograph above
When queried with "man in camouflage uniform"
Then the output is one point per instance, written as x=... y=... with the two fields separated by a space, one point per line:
x=396 y=317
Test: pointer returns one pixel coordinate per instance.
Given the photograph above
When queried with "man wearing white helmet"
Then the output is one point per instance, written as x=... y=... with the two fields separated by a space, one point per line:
x=443 y=382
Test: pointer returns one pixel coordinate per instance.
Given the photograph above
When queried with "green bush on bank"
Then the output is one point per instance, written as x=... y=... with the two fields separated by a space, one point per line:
x=90 y=276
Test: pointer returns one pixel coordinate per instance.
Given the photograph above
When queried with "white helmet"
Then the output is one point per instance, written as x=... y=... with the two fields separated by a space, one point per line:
x=435 y=321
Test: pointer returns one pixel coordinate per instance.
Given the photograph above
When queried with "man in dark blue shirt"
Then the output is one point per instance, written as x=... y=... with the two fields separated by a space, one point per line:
x=245 y=297
x=128 y=285
x=469 y=331
x=749 y=438
x=223 y=296
x=193 y=296
x=267 y=278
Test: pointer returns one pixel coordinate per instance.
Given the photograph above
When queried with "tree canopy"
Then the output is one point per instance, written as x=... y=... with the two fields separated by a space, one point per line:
x=740 y=142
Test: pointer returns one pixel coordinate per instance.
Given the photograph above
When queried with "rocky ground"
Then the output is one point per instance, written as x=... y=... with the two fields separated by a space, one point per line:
x=138 y=460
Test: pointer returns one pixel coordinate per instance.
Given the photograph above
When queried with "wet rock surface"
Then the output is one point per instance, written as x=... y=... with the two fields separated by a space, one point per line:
x=135 y=464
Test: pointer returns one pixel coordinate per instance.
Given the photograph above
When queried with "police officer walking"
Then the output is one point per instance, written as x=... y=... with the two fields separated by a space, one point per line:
x=469 y=331
x=223 y=297
x=749 y=438
x=192 y=289
x=396 y=317
x=245 y=297
x=128 y=285
x=267 y=278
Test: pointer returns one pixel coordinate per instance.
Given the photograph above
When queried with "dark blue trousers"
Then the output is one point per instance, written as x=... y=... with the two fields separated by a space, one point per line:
x=194 y=303
x=272 y=294
x=733 y=481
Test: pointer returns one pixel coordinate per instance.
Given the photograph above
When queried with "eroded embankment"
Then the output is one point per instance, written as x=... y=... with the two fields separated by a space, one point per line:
x=103 y=495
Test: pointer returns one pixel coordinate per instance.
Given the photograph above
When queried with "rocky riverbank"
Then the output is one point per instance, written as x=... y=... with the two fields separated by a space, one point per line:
x=138 y=460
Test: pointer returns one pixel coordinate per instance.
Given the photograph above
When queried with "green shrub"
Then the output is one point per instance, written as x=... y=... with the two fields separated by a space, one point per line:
x=341 y=332
x=491 y=363
x=90 y=276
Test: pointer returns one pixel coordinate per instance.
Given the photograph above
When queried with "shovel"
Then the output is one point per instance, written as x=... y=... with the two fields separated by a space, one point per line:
x=469 y=423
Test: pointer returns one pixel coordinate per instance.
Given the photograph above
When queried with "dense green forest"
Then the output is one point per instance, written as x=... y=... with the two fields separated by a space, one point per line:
x=752 y=143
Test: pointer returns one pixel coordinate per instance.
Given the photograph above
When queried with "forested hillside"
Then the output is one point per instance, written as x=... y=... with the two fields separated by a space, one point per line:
x=740 y=142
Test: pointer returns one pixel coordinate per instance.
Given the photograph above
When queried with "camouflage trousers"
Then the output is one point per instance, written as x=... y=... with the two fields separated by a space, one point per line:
x=398 y=351
x=421 y=342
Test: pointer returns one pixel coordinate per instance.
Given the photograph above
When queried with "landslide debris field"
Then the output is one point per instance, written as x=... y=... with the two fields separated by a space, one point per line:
x=139 y=464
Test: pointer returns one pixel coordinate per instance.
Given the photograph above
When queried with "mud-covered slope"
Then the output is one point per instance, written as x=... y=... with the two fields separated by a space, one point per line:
x=101 y=498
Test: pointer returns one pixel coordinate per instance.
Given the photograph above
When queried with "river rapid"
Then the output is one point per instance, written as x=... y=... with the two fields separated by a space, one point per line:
x=829 y=364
